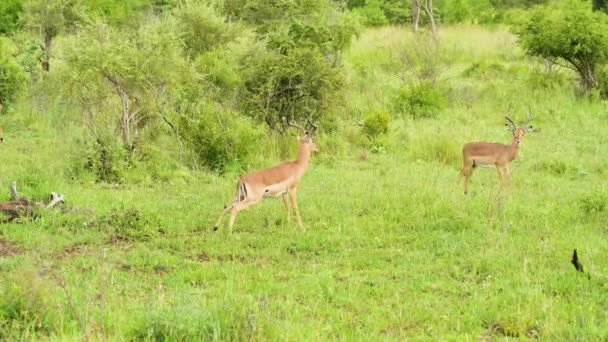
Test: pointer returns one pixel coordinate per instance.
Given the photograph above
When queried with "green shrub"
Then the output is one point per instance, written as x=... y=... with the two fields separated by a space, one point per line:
x=419 y=101
x=371 y=14
x=220 y=140
x=376 y=124
x=12 y=76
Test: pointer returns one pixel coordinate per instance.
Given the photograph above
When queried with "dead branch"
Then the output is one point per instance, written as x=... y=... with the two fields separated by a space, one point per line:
x=18 y=207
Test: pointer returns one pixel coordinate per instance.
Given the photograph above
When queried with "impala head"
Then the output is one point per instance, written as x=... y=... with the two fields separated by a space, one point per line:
x=306 y=140
x=518 y=131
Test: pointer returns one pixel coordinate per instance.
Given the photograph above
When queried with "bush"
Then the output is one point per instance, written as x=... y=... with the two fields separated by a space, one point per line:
x=12 y=76
x=419 y=101
x=371 y=14
x=220 y=140
x=376 y=124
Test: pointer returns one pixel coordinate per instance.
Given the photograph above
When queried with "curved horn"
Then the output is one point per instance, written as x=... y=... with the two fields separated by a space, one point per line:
x=508 y=118
x=295 y=125
x=314 y=127
x=531 y=117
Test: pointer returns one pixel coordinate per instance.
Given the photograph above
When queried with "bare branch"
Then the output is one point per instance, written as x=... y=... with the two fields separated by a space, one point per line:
x=57 y=198
x=14 y=195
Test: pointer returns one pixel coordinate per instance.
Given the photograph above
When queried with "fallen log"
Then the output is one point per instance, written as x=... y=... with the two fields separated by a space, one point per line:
x=18 y=207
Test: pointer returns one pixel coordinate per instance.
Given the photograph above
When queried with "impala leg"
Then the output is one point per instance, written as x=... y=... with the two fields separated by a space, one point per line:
x=226 y=208
x=246 y=203
x=294 y=201
x=287 y=206
x=509 y=180
x=467 y=170
x=500 y=171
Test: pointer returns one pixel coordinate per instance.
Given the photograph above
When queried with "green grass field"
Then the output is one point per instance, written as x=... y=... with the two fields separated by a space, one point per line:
x=391 y=250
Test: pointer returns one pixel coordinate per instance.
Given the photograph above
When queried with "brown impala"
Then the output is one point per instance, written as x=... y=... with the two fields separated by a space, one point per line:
x=281 y=180
x=486 y=154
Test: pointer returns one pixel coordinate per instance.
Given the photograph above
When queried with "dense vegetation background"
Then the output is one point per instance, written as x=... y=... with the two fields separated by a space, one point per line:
x=143 y=113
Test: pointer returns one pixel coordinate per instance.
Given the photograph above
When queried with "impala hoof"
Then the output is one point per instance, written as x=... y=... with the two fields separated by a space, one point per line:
x=215 y=228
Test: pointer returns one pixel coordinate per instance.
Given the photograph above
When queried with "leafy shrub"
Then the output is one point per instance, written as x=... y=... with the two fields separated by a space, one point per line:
x=293 y=86
x=202 y=28
x=101 y=155
x=371 y=14
x=220 y=139
x=419 y=101
x=376 y=124
x=12 y=76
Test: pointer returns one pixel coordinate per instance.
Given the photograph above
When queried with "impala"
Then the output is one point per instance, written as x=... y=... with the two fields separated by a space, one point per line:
x=496 y=155
x=281 y=180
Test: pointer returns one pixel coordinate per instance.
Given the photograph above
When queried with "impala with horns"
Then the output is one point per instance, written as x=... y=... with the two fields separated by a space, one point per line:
x=281 y=180
x=496 y=155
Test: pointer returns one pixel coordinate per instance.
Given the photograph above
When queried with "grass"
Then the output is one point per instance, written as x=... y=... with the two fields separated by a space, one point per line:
x=391 y=250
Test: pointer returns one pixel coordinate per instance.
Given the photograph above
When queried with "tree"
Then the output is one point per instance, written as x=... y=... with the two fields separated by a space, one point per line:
x=298 y=73
x=572 y=37
x=119 y=78
x=415 y=14
x=48 y=18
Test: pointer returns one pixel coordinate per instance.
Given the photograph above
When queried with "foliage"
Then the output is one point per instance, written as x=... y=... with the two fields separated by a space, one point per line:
x=419 y=101
x=124 y=79
x=219 y=139
x=376 y=124
x=600 y=5
x=294 y=86
x=202 y=28
x=371 y=14
x=48 y=18
x=12 y=76
x=572 y=36
x=298 y=74
x=381 y=12
x=10 y=12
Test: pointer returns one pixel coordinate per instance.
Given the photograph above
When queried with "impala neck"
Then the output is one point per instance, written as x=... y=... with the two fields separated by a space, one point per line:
x=303 y=155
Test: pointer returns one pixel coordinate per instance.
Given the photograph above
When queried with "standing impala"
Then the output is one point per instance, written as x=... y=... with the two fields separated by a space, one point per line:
x=281 y=180
x=486 y=154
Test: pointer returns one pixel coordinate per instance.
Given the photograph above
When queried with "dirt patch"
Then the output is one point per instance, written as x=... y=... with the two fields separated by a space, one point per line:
x=203 y=258
x=8 y=249
x=70 y=251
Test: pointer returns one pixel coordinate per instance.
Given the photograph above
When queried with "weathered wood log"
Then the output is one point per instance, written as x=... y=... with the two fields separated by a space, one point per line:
x=22 y=207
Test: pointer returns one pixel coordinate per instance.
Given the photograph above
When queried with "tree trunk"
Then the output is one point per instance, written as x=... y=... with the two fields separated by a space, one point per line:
x=46 y=56
x=588 y=76
x=125 y=118
x=428 y=8
x=415 y=15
